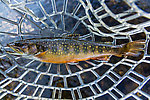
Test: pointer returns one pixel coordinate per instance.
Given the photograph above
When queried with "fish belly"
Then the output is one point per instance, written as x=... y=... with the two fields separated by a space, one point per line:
x=51 y=58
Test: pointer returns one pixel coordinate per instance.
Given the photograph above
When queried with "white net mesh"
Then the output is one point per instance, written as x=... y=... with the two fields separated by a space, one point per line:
x=115 y=21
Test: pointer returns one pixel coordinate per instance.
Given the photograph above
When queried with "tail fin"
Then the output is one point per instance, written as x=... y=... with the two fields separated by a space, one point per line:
x=134 y=48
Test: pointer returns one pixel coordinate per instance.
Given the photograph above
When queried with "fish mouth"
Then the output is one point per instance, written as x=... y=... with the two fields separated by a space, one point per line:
x=17 y=50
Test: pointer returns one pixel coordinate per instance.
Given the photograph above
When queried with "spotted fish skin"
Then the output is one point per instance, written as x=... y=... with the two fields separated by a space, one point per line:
x=66 y=50
x=69 y=50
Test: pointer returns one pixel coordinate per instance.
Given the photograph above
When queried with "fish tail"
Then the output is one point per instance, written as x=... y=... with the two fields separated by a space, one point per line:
x=135 y=48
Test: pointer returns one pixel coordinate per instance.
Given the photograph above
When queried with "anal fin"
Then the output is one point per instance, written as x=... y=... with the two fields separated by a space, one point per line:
x=102 y=58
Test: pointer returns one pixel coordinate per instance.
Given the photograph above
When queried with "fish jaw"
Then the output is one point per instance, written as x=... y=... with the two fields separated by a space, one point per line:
x=17 y=52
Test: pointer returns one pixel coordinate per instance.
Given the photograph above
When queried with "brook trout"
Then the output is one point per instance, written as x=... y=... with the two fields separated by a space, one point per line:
x=58 y=50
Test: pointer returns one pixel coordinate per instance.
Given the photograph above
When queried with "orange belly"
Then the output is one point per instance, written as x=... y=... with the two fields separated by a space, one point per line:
x=59 y=61
x=52 y=58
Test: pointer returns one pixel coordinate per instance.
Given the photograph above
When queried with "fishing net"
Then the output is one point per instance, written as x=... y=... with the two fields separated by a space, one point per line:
x=109 y=21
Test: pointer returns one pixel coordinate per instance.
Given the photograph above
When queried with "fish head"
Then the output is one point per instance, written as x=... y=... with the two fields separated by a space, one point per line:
x=22 y=48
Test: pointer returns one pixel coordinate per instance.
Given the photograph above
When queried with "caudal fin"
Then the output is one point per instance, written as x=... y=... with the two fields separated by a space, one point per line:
x=134 y=48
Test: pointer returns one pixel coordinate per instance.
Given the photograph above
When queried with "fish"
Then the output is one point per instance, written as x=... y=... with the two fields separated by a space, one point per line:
x=68 y=50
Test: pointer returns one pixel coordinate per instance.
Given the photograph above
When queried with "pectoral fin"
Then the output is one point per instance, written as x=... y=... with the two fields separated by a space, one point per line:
x=41 y=55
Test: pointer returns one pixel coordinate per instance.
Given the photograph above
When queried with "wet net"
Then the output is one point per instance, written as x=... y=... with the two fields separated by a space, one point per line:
x=109 y=21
